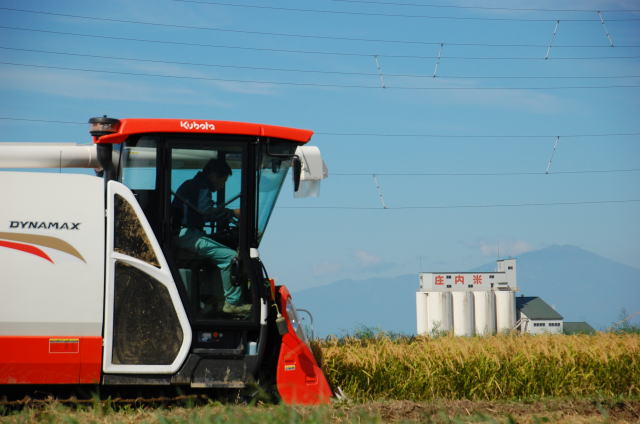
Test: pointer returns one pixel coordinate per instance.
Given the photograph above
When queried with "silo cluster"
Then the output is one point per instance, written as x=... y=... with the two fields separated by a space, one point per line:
x=467 y=303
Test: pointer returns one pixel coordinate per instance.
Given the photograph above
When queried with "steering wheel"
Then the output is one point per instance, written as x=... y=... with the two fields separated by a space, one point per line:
x=228 y=233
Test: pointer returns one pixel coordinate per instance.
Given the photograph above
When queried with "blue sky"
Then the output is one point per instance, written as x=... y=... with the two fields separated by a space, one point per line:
x=481 y=133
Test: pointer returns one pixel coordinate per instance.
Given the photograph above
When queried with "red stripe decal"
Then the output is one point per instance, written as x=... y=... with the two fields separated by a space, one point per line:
x=25 y=248
x=50 y=360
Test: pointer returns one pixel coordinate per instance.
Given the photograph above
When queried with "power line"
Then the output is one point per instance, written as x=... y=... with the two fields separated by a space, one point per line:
x=568 y=135
x=310 y=84
x=315 y=71
x=502 y=205
x=511 y=9
x=307 y=36
x=389 y=15
x=44 y=121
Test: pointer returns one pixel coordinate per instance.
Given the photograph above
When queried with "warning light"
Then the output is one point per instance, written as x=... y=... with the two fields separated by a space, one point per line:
x=103 y=125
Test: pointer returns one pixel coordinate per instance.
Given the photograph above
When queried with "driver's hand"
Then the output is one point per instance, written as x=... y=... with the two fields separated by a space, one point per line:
x=227 y=215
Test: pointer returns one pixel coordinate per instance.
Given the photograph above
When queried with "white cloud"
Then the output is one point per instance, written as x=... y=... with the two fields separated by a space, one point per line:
x=326 y=269
x=229 y=86
x=80 y=84
x=529 y=100
x=474 y=92
x=366 y=259
x=354 y=265
x=505 y=248
x=86 y=85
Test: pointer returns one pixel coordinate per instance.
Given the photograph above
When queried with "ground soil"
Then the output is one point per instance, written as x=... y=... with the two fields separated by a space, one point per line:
x=550 y=410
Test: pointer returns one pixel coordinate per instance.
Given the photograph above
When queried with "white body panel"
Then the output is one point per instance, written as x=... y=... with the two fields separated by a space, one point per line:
x=505 y=310
x=421 y=313
x=62 y=216
x=485 y=312
x=440 y=315
x=463 y=313
x=162 y=275
x=48 y=155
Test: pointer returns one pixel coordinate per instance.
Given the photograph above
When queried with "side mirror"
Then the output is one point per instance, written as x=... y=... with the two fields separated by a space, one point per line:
x=296 y=166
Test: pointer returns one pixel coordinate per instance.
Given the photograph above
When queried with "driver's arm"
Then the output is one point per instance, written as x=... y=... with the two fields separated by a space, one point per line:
x=215 y=214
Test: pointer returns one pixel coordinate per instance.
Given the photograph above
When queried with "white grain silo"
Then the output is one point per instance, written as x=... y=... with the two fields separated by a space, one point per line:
x=440 y=314
x=421 y=313
x=505 y=310
x=463 y=315
x=485 y=312
x=468 y=302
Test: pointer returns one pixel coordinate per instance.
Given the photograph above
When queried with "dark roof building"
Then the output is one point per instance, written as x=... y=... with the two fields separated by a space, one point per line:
x=579 y=327
x=536 y=309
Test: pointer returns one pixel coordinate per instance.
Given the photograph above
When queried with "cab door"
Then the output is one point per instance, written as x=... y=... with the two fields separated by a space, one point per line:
x=146 y=328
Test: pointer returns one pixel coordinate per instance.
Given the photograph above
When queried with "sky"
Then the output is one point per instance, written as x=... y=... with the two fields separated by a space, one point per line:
x=455 y=132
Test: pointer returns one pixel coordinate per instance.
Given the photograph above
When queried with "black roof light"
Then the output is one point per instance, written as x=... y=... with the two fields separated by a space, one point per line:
x=103 y=125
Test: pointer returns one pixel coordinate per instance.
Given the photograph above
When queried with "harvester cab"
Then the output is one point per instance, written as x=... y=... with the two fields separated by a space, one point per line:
x=170 y=288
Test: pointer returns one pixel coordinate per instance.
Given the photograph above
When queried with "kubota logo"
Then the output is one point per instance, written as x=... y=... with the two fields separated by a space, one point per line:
x=29 y=243
x=193 y=125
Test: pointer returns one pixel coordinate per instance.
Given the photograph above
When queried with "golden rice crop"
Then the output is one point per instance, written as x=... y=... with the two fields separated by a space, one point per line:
x=484 y=368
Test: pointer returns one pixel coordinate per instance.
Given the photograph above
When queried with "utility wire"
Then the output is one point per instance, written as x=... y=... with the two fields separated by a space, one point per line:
x=310 y=84
x=315 y=71
x=389 y=15
x=569 y=135
x=308 y=36
x=336 y=53
x=44 y=121
x=502 y=205
x=511 y=9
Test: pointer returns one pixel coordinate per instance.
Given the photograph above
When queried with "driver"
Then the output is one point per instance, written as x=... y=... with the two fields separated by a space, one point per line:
x=194 y=199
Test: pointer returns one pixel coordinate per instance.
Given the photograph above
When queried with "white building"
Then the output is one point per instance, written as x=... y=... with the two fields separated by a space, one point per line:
x=535 y=316
x=467 y=303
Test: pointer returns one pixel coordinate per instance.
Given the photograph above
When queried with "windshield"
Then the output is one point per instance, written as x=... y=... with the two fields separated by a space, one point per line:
x=274 y=164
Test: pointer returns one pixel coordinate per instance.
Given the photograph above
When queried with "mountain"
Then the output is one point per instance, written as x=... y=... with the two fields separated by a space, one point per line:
x=580 y=285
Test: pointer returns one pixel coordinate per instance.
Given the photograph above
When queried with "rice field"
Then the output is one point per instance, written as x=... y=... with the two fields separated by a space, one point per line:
x=484 y=368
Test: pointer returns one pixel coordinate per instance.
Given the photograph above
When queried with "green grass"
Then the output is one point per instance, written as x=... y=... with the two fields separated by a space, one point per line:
x=438 y=412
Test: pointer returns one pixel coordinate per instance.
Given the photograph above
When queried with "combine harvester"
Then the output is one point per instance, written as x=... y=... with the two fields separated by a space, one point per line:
x=103 y=283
